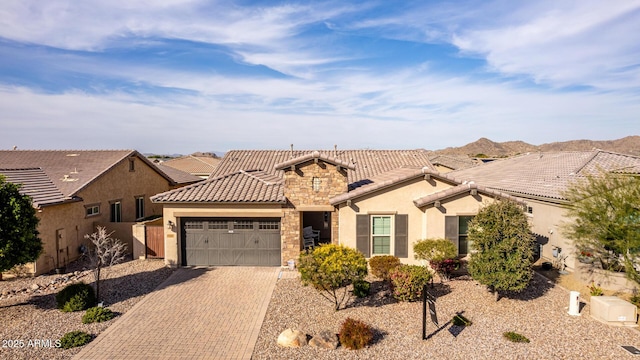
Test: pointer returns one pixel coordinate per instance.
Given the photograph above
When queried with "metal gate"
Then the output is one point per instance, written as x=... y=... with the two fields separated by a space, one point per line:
x=154 y=236
x=215 y=241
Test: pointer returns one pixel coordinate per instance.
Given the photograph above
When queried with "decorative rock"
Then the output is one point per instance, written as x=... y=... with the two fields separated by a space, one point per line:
x=292 y=338
x=35 y=287
x=326 y=340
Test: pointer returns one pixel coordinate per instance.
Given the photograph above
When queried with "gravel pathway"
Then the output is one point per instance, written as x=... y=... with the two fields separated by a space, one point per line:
x=540 y=314
x=30 y=322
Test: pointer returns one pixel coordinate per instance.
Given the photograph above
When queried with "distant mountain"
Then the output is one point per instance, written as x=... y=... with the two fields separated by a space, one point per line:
x=483 y=146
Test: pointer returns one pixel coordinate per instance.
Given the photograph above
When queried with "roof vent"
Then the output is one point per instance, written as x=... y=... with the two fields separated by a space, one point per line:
x=73 y=154
x=66 y=178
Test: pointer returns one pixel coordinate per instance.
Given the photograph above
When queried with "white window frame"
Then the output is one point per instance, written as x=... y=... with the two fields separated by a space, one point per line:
x=391 y=234
x=115 y=217
x=92 y=210
x=139 y=207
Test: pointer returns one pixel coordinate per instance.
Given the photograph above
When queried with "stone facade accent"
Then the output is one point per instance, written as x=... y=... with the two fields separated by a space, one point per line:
x=299 y=189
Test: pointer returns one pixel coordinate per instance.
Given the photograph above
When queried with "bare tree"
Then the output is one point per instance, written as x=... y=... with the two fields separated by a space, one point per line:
x=106 y=252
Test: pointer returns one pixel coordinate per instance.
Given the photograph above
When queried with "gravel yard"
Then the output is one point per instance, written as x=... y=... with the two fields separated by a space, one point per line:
x=31 y=323
x=539 y=313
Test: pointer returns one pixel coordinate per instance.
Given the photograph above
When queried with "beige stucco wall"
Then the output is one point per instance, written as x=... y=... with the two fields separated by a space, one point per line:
x=423 y=223
x=178 y=212
x=116 y=184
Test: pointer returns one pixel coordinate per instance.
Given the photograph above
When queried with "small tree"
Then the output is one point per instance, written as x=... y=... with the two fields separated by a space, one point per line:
x=330 y=268
x=501 y=237
x=606 y=209
x=19 y=241
x=105 y=253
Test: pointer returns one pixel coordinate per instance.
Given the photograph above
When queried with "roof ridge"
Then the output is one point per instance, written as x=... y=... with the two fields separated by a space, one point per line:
x=587 y=161
x=249 y=174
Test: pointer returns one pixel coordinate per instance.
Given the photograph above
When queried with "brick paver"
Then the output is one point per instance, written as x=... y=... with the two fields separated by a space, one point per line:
x=198 y=313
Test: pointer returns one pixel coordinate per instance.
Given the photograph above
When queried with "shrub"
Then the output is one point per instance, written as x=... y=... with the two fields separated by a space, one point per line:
x=445 y=267
x=97 y=314
x=635 y=300
x=355 y=334
x=74 y=339
x=361 y=288
x=460 y=320
x=515 y=337
x=595 y=290
x=436 y=250
x=331 y=267
x=381 y=265
x=408 y=281
x=75 y=297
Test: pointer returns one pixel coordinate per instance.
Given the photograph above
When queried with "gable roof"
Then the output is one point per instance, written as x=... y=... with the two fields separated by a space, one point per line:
x=453 y=162
x=194 y=164
x=461 y=189
x=178 y=176
x=545 y=175
x=226 y=182
x=70 y=171
x=35 y=183
x=243 y=186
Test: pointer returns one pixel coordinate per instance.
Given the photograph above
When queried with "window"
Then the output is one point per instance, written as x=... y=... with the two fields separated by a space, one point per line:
x=139 y=207
x=529 y=210
x=116 y=211
x=243 y=225
x=381 y=235
x=315 y=184
x=92 y=210
x=456 y=230
x=132 y=164
x=269 y=225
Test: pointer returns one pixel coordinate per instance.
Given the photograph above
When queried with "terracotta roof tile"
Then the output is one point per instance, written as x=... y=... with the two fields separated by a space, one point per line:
x=242 y=186
x=193 y=164
x=453 y=162
x=178 y=176
x=36 y=184
x=460 y=189
x=313 y=156
x=545 y=175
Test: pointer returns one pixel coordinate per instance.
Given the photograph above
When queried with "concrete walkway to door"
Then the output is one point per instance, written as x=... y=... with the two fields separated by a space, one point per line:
x=197 y=313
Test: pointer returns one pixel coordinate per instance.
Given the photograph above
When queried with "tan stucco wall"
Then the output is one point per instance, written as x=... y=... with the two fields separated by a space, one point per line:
x=178 y=212
x=116 y=184
x=423 y=223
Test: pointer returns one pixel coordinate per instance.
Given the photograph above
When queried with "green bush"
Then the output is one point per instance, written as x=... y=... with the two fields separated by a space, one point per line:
x=515 y=337
x=381 y=265
x=408 y=281
x=361 y=288
x=74 y=339
x=75 y=297
x=97 y=314
x=435 y=250
x=635 y=300
x=331 y=267
x=460 y=320
x=355 y=334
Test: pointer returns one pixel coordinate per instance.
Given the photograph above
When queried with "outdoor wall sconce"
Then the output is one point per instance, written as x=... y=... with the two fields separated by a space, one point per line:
x=170 y=224
x=474 y=192
x=437 y=204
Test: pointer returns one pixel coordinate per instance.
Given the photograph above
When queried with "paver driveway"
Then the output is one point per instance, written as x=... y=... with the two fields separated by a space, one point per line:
x=201 y=313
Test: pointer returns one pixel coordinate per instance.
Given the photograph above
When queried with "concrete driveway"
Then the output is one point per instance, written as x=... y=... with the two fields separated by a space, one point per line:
x=201 y=313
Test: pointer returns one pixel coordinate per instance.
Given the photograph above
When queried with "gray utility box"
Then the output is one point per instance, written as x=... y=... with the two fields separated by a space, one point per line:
x=613 y=311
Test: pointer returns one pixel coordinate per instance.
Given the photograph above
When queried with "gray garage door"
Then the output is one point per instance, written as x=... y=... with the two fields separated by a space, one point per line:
x=215 y=241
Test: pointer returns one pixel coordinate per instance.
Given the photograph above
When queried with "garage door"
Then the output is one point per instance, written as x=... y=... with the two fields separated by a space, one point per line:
x=215 y=241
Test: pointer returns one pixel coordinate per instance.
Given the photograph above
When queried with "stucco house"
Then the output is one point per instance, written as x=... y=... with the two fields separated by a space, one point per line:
x=76 y=190
x=254 y=207
x=540 y=179
x=198 y=164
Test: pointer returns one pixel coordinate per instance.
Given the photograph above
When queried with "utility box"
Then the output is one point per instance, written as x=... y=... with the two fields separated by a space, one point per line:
x=613 y=311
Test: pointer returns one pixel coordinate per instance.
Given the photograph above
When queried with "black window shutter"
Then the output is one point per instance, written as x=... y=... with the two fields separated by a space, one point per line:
x=402 y=236
x=451 y=229
x=362 y=235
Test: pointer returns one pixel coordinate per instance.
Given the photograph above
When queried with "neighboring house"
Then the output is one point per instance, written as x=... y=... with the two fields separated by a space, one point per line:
x=198 y=164
x=540 y=179
x=254 y=207
x=76 y=190
x=447 y=163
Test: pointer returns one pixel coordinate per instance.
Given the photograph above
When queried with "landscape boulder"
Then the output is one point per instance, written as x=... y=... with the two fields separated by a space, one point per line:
x=325 y=340
x=292 y=338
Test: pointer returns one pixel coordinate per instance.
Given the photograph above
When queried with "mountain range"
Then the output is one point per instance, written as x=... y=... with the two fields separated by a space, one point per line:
x=484 y=147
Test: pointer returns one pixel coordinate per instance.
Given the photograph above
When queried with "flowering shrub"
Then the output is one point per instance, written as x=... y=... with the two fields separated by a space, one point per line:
x=595 y=290
x=445 y=267
x=355 y=334
x=381 y=265
x=408 y=281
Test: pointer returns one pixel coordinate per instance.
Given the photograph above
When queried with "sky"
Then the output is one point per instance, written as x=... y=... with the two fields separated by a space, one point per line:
x=179 y=76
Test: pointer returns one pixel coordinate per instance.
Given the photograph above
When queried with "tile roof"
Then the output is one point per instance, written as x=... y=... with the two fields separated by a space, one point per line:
x=461 y=189
x=194 y=164
x=236 y=165
x=70 y=170
x=35 y=183
x=453 y=162
x=178 y=176
x=242 y=186
x=385 y=180
x=545 y=175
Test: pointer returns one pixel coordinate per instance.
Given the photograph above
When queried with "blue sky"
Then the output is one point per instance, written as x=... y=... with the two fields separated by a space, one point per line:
x=178 y=76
